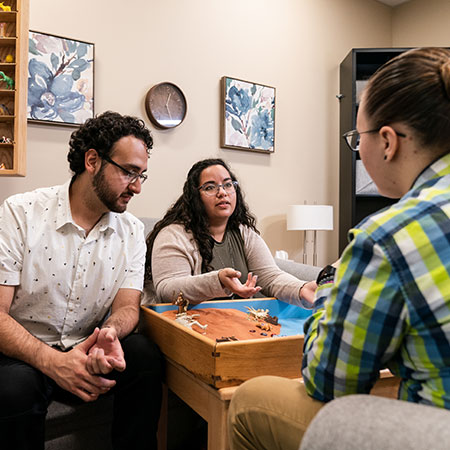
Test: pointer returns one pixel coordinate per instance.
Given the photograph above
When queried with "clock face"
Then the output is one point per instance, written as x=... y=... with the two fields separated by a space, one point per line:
x=166 y=106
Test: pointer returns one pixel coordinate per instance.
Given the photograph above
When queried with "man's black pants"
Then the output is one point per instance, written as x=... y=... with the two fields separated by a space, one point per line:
x=25 y=394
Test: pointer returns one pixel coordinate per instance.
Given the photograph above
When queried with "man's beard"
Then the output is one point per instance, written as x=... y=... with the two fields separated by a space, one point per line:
x=104 y=194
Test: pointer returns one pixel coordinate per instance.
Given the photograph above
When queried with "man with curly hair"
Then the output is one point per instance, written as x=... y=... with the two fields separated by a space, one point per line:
x=71 y=274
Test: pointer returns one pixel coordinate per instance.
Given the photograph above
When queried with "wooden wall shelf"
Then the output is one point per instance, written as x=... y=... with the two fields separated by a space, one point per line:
x=14 y=126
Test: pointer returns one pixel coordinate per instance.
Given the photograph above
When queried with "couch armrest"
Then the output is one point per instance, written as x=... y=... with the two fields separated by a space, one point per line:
x=367 y=422
x=299 y=270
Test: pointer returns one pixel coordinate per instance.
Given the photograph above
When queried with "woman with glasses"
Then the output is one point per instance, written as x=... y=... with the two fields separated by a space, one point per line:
x=207 y=246
x=388 y=304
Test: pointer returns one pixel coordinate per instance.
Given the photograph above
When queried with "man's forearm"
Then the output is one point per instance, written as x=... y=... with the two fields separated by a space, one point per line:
x=16 y=342
x=123 y=319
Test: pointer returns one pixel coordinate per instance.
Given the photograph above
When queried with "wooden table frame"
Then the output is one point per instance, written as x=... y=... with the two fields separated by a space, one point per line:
x=212 y=404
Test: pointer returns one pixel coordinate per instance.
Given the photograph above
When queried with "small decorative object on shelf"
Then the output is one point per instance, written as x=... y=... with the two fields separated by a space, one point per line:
x=9 y=58
x=4 y=111
x=2 y=29
x=5 y=140
x=2 y=166
x=8 y=80
x=5 y=7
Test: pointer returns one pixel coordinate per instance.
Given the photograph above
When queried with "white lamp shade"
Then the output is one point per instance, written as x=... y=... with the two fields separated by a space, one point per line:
x=310 y=217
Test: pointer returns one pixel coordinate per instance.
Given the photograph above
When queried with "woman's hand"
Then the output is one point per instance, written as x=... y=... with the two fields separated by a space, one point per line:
x=229 y=278
x=307 y=291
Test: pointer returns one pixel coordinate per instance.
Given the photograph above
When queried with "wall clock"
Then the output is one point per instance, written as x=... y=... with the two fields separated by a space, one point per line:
x=166 y=105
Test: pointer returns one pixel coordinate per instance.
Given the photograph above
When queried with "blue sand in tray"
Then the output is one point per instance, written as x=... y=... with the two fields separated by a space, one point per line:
x=290 y=317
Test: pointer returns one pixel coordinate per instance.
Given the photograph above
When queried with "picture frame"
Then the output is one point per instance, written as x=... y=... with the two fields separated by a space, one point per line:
x=60 y=80
x=247 y=116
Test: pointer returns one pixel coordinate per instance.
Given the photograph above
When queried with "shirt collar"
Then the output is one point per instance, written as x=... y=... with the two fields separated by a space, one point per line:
x=438 y=168
x=64 y=214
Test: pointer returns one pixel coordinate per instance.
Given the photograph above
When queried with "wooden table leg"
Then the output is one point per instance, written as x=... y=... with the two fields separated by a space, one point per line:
x=210 y=403
x=217 y=423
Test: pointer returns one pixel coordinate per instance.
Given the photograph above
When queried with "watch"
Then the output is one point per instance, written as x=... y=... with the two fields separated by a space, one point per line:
x=326 y=275
x=166 y=105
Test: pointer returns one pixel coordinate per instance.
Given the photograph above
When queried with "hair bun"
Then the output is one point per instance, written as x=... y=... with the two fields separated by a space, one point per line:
x=445 y=76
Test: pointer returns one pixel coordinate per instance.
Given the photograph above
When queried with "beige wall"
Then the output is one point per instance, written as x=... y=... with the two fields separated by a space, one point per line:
x=294 y=45
x=421 y=23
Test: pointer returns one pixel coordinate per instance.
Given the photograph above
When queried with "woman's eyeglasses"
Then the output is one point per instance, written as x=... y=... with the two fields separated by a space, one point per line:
x=211 y=189
x=352 y=137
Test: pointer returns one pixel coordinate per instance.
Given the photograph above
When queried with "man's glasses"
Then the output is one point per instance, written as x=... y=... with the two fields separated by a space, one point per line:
x=211 y=189
x=352 y=137
x=130 y=174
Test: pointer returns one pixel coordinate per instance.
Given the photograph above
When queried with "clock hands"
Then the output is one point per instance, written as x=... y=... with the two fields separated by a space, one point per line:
x=167 y=105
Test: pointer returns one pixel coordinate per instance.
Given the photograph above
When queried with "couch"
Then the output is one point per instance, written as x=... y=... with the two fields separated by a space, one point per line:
x=368 y=422
x=86 y=426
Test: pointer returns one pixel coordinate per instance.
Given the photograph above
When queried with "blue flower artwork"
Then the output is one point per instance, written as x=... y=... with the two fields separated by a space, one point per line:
x=249 y=115
x=60 y=79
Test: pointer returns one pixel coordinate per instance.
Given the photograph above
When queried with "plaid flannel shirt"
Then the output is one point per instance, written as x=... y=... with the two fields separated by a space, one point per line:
x=389 y=305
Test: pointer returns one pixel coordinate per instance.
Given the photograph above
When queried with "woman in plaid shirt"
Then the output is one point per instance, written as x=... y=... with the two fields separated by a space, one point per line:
x=388 y=302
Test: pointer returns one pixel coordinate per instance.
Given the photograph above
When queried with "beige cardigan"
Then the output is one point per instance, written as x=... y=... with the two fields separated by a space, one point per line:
x=176 y=266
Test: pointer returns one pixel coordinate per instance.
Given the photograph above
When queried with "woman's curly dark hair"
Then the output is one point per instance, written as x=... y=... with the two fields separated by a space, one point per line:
x=190 y=212
x=101 y=133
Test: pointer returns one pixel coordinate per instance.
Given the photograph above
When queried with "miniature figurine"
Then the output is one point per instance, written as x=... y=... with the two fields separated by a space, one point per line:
x=9 y=58
x=261 y=315
x=189 y=320
x=4 y=111
x=227 y=339
x=257 y=314
x=8 y=80
x=264 y=326
x=2 y=166
x=5 y=7
x=5 y=140
x=181 y=302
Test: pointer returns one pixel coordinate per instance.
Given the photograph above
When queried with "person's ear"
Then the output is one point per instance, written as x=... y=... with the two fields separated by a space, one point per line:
x=92 y=161
x=391 y=142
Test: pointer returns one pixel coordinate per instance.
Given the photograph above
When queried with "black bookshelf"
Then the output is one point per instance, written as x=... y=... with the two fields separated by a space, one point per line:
x=355 y=69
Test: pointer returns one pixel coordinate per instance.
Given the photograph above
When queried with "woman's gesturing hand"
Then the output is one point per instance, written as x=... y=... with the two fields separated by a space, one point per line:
x=229 y=278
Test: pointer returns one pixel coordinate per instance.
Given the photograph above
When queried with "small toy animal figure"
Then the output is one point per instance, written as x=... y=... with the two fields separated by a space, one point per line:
x=181 y=302
x=189 y=320
x=5 y=140
x=8 y=80
x=5 y=8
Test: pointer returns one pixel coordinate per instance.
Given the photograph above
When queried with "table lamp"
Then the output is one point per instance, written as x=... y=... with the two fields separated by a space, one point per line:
x=310 y=217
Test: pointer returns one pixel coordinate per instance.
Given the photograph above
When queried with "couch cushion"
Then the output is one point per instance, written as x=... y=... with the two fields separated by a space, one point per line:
x=149 y=223
x=79 y=420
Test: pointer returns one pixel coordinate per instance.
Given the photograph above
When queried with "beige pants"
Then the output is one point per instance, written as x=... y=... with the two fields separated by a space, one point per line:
x=270 y=413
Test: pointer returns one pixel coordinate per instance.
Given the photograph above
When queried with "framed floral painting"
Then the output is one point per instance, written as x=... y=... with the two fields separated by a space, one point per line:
x=60 y=80
x=248 y=116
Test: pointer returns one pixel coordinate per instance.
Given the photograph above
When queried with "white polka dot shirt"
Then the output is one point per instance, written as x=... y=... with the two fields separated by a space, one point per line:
x=66 y=281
